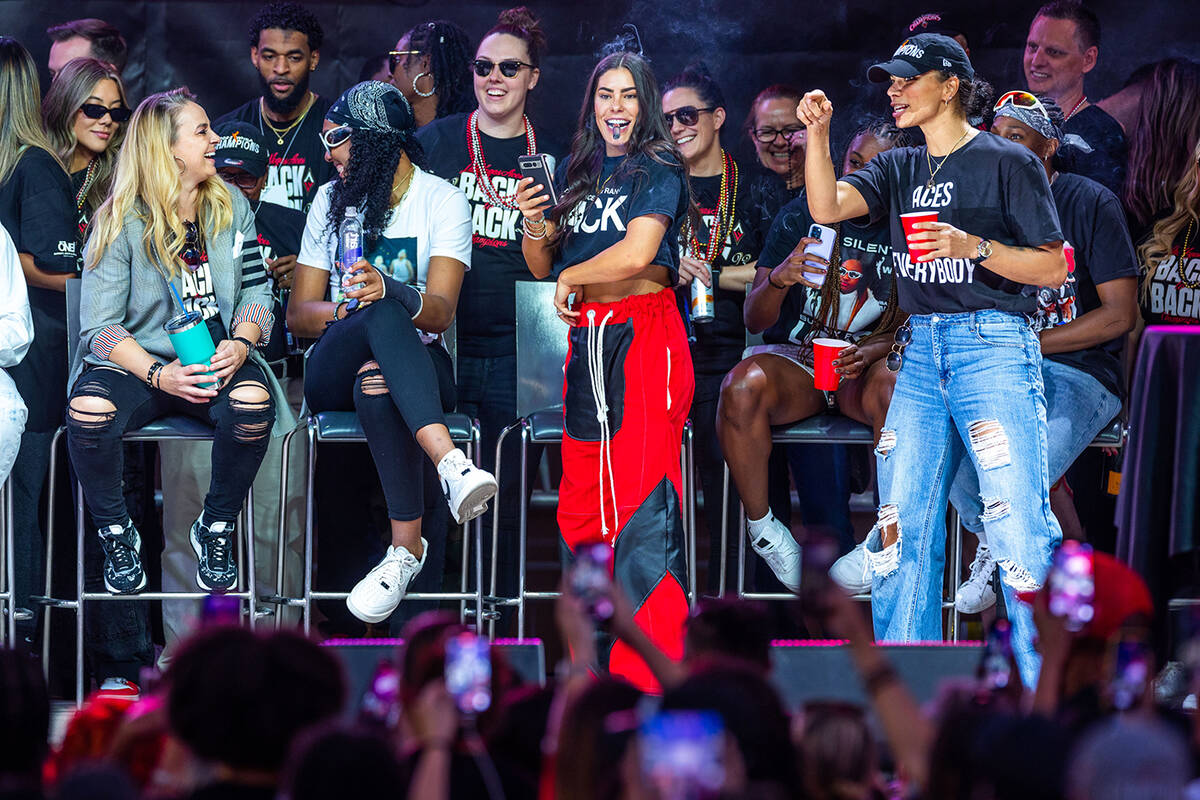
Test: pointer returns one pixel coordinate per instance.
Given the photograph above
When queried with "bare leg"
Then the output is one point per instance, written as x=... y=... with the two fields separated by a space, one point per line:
x=407 y=534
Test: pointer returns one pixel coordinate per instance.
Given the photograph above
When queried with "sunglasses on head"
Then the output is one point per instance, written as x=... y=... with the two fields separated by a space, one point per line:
x=1021 y=99
x=97 y=111
x=508 y=67
x=687 y=115
x=394 y=57
x=768 y=135
x=336 y=137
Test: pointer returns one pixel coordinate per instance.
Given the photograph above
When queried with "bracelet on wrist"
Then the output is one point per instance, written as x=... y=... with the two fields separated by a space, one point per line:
x=771 y=280
x=534 y=230
x=154 y=370
x=249 y=344
x=336 y=308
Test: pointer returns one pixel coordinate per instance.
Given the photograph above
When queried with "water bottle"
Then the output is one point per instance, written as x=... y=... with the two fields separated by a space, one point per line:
x=350 y=251
x=702 y=301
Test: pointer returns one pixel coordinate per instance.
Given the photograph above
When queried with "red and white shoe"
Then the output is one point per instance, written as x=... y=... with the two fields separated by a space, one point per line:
x=119 y=689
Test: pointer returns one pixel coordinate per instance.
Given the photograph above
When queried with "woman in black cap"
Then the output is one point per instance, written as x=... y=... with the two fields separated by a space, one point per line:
x=970 y=378
x=379 y=352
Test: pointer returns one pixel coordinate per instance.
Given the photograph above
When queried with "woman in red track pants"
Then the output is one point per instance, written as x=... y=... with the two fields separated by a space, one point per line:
x=628 y=379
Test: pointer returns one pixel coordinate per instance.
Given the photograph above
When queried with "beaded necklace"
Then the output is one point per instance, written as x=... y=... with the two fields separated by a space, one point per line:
x=1193 y=285
x=479 y=165
x=89 y=177
x=722 y=224
x=1075 y=110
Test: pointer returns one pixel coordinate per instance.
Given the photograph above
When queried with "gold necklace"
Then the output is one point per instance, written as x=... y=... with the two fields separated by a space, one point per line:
x=1193 y=285
x=406 y=183
x=929 y=159
x=279 y=134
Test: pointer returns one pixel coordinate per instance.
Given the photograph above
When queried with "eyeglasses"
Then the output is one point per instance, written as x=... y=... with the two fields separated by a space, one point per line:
x=336 y=137
x=394 y=57
x=895 y=359
x=97 y=111
x=191 y=255
x=687 y=115
x=1021 y=99
x=508 y=68
x=239 y=178
x=768 y=135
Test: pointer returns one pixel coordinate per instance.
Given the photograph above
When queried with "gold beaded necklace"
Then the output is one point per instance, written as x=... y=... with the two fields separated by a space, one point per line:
x=1187 y=236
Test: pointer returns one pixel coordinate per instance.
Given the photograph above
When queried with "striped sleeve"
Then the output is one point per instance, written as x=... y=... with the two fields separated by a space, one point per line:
x=107 y=338
x=260 y=315
x=254 y=272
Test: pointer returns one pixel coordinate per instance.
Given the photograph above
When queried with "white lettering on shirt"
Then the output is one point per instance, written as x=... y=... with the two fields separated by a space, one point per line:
x=939 y=195
x=940 y=270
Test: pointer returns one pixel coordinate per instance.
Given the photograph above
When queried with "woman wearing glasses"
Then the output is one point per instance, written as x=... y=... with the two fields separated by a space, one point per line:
x=1081 y=326
x=779 y=142
x=378 y=351
x=430 y=65
x=170 y=234
x=478 y=152
x=628 y=384
x=970 y=377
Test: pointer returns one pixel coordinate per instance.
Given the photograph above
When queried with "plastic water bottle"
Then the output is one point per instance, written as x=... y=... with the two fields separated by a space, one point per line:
x=350 y=250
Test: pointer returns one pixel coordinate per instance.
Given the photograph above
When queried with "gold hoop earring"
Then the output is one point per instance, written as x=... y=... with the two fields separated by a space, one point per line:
x=182 y=166
x=417 y=91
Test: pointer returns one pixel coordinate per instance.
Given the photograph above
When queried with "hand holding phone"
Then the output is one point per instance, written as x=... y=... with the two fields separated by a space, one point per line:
x=469 y=672
x=537 y=166
x=682 y=753
x=1072 y=585
x=824 y=249
x=590 y=579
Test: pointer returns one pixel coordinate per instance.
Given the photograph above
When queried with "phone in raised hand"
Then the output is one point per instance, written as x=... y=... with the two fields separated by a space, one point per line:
x=537 y=166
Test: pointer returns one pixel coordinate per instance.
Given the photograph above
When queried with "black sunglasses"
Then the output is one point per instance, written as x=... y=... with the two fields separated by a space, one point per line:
x=97 y=111
x=895 y=359
x=239 y=178
x=687 y=115
x=191 y=255
x=768 y=135
x=508 y=68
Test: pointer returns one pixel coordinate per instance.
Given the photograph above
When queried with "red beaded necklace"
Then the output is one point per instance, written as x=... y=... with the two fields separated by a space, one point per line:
x=479 y=165
x=722 y=224
x=1075 y=110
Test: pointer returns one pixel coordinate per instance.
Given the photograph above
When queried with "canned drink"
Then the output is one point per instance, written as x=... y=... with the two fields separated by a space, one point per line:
x=702 y=301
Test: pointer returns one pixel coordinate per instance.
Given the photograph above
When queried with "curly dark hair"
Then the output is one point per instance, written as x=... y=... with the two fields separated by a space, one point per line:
x=450 y=56
x=367 y=181
x=975 y=96
x=289 y=17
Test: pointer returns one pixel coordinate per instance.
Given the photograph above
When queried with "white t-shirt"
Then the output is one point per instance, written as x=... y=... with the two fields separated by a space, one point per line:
x=433 y=219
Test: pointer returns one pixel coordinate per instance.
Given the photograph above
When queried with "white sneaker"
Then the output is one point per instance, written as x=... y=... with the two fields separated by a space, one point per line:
x=777 y=547
x=376 y=596
x=467 y=487
x=977 y=592
x=853 y=571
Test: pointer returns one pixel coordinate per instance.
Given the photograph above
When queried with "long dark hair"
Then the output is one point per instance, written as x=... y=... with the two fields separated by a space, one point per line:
x=450 y=54
x=650 y=137
x=367 y=179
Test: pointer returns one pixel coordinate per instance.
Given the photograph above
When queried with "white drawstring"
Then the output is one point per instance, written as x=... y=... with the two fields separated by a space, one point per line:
x=595 y=357
x=668 y=378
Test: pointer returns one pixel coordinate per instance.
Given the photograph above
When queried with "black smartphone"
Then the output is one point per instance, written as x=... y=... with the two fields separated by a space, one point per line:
x=590 y=579
x=537 y=166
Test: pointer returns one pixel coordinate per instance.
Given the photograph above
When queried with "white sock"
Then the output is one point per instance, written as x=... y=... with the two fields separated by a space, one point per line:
x=759 y=526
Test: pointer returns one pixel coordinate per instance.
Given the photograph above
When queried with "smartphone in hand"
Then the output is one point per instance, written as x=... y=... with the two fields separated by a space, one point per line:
x=590 y=579
x=469 y=672
x=537 y=166
x=1072 y=584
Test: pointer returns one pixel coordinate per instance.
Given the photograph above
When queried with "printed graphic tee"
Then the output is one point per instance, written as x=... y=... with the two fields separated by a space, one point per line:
x=296 y=168
x=864 y=276
x=279 y=231
x=487 y=302
x=1169 y=300
x=989 y=187
x=433 y=219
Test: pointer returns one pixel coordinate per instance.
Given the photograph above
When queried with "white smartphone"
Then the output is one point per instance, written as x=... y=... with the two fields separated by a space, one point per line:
x=824 y=249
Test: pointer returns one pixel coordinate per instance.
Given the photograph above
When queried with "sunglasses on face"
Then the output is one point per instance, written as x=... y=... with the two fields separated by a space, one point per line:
x=395 y=56
x=508 y=68
x=97 y=111
x=1021 y=99
x=336 y=137
x=239 y=178
x=687 y=115
x=768 y=135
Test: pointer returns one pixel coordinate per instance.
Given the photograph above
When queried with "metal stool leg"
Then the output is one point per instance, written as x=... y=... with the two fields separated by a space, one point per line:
x=955 y=571
x=9 y=573
x=741 y=559
x=251 y=571
x=309 y=491
x=689 y=507
x=523 y=535
x=281 y=538
x=51 y=498
x=723 y=560
x=79 y=608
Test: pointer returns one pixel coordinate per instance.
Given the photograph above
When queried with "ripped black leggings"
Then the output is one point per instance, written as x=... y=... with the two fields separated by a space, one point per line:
x=373 y=362
x=242 y=432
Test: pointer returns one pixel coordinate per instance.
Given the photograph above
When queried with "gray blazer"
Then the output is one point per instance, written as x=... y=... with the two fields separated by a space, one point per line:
x=125 y=289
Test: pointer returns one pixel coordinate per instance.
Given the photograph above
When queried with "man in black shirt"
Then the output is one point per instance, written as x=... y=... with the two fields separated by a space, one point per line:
x=285 y=46
x=1063 y=45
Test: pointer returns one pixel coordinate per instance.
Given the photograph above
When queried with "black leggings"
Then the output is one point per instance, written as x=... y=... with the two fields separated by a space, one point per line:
x=412 y=386
x=242 y=431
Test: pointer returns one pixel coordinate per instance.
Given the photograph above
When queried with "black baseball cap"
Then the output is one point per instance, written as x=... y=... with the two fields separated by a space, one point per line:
x=920 y=54
x=241 y=146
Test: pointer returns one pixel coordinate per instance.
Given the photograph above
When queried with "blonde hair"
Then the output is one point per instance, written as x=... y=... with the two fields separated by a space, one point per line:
x=146 y=183
x=70 y=89
x=20 y=116
x=1167 y=230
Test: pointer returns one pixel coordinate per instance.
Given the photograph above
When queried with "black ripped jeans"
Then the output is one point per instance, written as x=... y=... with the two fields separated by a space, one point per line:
x=412 y=387
x=242 y=431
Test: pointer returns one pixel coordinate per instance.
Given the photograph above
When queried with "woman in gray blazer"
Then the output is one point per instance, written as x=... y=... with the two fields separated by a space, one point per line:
x=170 y=235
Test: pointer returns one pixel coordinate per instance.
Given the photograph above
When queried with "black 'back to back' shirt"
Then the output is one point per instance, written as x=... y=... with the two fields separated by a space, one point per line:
x=989 y=187
x=487 y=303
x=296 y=168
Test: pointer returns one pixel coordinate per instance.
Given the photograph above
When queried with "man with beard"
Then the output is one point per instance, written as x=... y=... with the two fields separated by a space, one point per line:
x=285 y=45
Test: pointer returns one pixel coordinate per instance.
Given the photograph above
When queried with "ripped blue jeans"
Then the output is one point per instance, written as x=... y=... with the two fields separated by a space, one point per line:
x=970 y=386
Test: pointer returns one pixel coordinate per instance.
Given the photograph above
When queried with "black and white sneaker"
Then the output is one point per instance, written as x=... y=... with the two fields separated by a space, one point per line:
x=214 y=544
x=123 y=573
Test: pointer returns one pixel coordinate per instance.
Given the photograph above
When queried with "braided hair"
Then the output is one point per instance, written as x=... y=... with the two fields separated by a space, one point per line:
x=450 y=55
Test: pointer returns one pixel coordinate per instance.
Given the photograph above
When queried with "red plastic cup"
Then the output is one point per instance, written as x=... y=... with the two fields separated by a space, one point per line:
x=824 y=353
x=910 y=219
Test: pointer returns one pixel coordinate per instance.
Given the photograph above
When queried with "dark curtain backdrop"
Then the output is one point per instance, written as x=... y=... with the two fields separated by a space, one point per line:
x=746 y=43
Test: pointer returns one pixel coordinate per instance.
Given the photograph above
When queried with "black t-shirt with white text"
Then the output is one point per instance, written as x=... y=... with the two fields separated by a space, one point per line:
x=279 y=232
x=1168 y=299
x=721 y=341
x=1094 y=225
x=487 y=302
x=630 y=187
x=864 y=271
x=989 y=187
x=1105 y=164
x=296 y=168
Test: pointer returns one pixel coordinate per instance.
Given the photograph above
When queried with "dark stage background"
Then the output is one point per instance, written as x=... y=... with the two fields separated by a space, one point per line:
x=747 y=44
